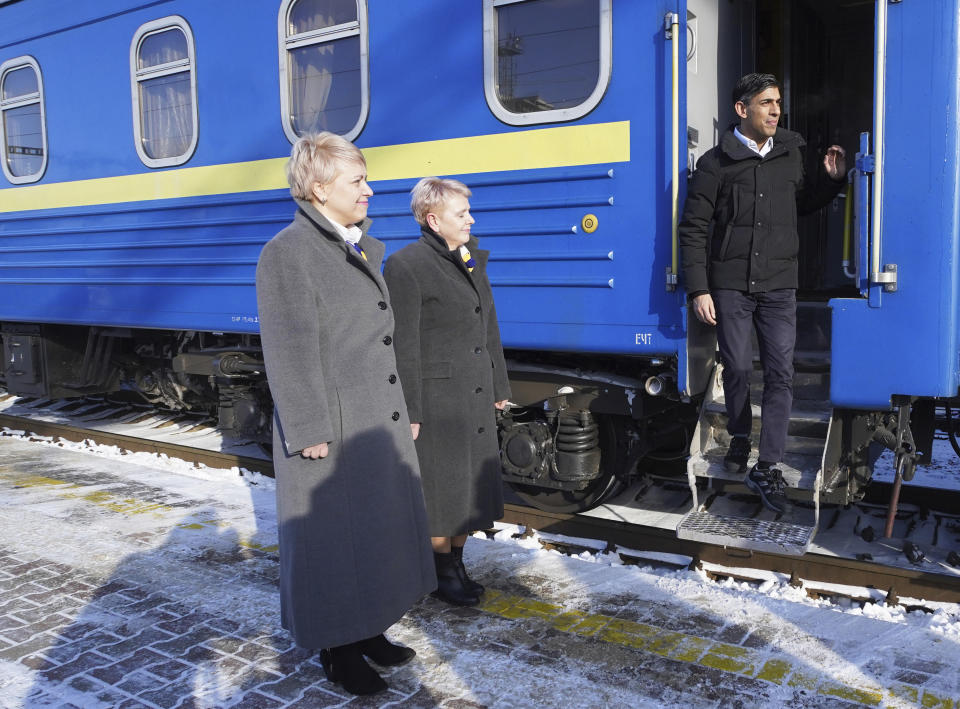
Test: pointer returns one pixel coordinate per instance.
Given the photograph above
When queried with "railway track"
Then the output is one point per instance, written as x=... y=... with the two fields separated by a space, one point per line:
x=821 y=575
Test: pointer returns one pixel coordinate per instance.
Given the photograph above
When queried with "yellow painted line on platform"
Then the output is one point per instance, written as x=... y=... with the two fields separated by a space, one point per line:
x=559 y=146
x=223 y=524
x=123 y=505
x=692 y=649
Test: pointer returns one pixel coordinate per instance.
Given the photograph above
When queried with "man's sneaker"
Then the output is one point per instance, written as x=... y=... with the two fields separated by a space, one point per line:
x=735 y=461
x=769 y=484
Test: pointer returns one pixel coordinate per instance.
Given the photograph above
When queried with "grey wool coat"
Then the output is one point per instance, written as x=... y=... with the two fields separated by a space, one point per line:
x=452 y=368
x=354 y=547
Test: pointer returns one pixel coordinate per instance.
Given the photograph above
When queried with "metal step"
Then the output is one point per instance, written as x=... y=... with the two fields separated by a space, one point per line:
x=804 y=423
x=746 y=532
x=807 y=432
x=724 y=523
x=799 y=470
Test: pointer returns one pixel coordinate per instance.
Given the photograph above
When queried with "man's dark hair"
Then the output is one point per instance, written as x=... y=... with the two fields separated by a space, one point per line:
x=753 y=84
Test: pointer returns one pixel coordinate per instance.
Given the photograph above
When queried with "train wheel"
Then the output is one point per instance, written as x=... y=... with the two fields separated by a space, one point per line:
x=605 y=486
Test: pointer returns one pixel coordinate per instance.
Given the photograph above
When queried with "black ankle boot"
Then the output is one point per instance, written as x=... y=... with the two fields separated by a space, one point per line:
x=345 y=666
x=450 y=586
x=471 y=585
x=384 y=652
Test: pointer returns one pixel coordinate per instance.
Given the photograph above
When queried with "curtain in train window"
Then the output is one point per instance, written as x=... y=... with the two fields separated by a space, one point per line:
x=164 y=89
x=546 y=60
x=22 y=119
x=323 y=66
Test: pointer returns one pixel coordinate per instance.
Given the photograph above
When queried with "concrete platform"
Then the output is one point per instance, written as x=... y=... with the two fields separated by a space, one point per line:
x=127 y=581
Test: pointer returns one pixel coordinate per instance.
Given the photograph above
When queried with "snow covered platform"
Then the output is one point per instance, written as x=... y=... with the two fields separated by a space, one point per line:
x=130 y=581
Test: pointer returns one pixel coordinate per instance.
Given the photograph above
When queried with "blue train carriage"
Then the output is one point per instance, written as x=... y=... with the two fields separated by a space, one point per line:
x=143 y=158
x=136 y=200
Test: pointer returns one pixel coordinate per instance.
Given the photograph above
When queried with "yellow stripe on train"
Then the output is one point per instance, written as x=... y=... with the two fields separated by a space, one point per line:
x=522 y=150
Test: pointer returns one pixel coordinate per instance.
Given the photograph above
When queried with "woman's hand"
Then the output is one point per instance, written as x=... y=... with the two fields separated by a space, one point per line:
x=501 y=404
x=414 y=430
x=321 y=450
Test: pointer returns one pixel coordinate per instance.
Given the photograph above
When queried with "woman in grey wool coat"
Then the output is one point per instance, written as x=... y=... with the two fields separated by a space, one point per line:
x=453 y=374
x=351 y=518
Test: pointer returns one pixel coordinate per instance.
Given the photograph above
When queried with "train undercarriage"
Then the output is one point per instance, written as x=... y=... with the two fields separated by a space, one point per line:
x=573 y=437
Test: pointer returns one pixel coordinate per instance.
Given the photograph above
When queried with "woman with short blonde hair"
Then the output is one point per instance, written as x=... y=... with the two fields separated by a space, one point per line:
x=453 y=373
x=352 y=525
x=315 y=158
x=430 y=193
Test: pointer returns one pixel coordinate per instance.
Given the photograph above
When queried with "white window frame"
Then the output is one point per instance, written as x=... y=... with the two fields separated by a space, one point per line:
x=359 y=27
x=556 y=115
x=18 y=102
x=138 y=75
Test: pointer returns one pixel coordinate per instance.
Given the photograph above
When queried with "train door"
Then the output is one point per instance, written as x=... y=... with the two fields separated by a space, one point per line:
x=899 y=336
x=821 y=52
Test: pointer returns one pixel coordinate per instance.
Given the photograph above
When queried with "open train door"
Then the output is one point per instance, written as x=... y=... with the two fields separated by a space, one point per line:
x=900 y=337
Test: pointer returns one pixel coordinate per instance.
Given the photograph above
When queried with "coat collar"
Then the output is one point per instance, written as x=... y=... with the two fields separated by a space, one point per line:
x=432 y=239
x=783 y=141
x=373 y=248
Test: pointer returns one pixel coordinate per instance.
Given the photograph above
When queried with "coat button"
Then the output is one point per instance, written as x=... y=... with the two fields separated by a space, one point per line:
x=396 y=416
x=392 y=379
x=388 y=340
x=480 y=430
x=477 y=350
x=477 y=309
x=382 y=305
x=478 y=390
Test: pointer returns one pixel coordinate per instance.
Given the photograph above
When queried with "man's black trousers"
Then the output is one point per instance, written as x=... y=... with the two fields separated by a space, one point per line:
x=774 y=316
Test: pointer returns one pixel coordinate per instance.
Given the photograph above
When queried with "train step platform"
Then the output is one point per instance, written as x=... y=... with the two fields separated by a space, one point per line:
x=716 y=515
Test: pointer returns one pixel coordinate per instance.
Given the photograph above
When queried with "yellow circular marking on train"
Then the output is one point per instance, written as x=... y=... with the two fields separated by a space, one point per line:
x=589 y=223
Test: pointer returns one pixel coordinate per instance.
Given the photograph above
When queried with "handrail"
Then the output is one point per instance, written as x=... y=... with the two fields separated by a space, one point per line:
x=672 y=21
x=847 y=225
x=887 y=277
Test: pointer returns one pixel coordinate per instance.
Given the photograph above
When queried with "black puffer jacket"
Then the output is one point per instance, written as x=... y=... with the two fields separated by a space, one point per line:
x=753 y=204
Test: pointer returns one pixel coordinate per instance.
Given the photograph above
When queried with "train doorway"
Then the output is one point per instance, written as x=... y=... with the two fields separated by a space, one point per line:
x=822 y=52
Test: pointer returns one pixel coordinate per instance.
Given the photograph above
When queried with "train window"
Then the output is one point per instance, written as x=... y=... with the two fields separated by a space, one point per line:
x=545 y=60
x=323 y=67
x=164 y=89
x=22 y=116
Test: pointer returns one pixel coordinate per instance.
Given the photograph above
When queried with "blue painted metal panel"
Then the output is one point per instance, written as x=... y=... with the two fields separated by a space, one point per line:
x=189 y=263
x=906 y=342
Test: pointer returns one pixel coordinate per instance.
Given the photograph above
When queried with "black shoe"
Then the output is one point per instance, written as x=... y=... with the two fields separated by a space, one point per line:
x=450 y=587
x=384 y=652
x=345 y=666
x=475 y=588
x=735 y=461
x=769 y=484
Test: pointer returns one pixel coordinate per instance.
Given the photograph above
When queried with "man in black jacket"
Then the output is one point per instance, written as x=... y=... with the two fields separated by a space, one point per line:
x=750 y=188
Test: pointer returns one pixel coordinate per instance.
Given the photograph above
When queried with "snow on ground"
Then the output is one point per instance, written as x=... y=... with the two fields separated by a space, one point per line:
x=855 y=644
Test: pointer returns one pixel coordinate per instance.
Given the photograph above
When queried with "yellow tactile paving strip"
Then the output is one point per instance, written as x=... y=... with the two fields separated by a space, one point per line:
x=682 y=647
x=748 y=662
x=126 y=505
